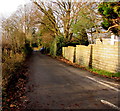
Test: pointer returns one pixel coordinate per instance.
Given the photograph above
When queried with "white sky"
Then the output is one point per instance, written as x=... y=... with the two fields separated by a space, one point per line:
x=9 y=6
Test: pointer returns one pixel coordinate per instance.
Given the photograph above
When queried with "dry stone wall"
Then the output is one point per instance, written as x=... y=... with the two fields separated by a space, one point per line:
x=101 y=55
x=106 y=57
x=83 y=55
x=68 y=53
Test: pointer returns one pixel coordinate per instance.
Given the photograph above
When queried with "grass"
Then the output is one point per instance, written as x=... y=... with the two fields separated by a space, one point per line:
x=106 y=73
x=93 y=70
x=117 y=74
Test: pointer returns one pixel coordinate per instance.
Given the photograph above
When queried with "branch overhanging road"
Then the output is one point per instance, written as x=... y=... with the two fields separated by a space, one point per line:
x=56 y=85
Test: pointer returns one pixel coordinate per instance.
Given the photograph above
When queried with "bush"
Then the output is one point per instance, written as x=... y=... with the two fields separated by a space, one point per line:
x=10 y=63
x=60 y=44
x=27 y=49
x=12 y=60
x=53 y=48
x=34 y=45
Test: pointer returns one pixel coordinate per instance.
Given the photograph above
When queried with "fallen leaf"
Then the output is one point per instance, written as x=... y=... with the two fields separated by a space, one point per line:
x=12 y=105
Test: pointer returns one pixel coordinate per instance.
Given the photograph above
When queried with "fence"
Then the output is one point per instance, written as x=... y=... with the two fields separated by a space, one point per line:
x=101 y=55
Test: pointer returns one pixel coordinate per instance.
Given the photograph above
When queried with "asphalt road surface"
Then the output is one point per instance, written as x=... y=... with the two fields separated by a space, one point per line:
x=56 y=85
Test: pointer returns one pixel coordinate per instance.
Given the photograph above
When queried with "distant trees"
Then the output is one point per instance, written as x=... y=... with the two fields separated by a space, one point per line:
x=71 y=20
x=13 y=33
x=46 y=31
x=87 y=22
x=48 y=23
x=63 y=15
x=48 y=14
x=15 y=42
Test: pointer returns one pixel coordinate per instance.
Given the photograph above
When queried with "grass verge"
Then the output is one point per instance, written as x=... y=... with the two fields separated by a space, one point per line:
x=103 y=73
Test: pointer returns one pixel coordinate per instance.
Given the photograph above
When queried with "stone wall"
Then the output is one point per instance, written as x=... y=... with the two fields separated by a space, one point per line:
x=106 y=57
x=82 y=56
x=101 y=55
x=68 y=53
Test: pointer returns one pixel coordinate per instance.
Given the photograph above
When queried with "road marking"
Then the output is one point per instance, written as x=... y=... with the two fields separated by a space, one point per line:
x=103 y=83
x=110 y=104
x=110 y=83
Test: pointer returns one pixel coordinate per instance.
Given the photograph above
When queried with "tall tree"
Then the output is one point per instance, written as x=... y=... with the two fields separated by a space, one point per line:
x=62 y=15
x=110 y=12
x=44 y=9
x=46 y=30
x=88 y=20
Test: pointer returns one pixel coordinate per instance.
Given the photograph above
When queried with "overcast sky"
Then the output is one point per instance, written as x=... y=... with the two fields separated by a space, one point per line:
x=9 y=6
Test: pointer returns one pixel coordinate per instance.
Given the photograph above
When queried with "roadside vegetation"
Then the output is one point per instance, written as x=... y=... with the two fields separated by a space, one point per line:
x=52 y=25
x=15 y=49
x=105 y=73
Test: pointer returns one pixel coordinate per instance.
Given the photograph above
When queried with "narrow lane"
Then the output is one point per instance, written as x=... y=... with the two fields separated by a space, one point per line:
x=56 y=85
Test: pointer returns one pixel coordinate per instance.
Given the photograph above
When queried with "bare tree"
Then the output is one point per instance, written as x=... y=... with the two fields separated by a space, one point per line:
x=63 y=13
